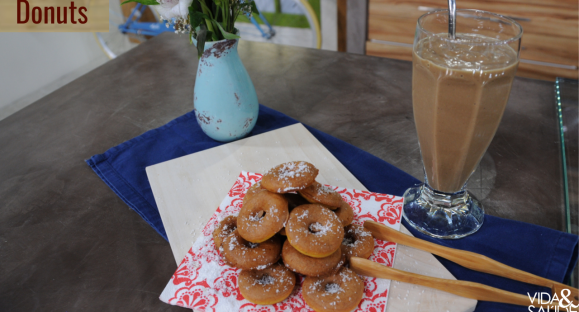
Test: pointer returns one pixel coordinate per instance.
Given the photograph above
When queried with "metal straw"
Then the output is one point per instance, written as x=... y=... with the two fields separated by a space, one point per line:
x=452 y=19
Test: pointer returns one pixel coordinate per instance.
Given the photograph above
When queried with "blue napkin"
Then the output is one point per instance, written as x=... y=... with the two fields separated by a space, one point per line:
x=541 y=251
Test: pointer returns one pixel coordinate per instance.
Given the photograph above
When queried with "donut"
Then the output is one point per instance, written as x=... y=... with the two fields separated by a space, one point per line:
x=358 y=242
x=314 y=230
x=262 y=216
x=289 y=177
x=300 y=263
x=225 y=227
x=318 y=193
x=250 y=256
x=268 y=286
x=341 y=292
x=345 y=213
x=254 y=189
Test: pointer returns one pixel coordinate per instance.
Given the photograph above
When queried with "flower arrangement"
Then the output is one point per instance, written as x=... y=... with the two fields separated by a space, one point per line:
x=204 y=20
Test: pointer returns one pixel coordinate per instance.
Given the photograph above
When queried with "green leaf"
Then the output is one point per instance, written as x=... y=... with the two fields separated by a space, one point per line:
x=213 y=35
x=195 y=7
x=225 y=34
x=145 y=2
x=213 y=7
x=206 y=9
x=201 y=36
x=196 y=18
x=216 y=32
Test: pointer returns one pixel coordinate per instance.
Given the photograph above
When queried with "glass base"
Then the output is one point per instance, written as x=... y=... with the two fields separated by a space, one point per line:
x=442 y=215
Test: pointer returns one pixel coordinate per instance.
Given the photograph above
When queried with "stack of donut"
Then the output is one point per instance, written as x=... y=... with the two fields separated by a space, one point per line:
x=289 y=215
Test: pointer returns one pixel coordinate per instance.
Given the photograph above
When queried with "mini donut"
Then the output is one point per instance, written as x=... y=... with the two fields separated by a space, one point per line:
x=300 y=263
x=252 y=190
x=314 y=231
x=345 y=213
x=341 y=292
x=358 y=242
x=262 y=216
x=318 y=193
x=289 y=177
x=250 y=256
x=225 y=227
x=268 y=286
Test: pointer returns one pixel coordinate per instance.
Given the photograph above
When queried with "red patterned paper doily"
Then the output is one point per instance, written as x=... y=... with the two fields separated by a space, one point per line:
x=205 y=283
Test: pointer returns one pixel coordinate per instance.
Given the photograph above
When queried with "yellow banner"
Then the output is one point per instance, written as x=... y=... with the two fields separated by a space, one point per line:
x=54 y=15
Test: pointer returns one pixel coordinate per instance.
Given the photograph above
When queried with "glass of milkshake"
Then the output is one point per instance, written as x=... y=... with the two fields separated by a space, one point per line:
x=460 y=88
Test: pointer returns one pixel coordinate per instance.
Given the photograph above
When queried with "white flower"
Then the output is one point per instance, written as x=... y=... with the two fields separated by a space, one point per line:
x=173 y=8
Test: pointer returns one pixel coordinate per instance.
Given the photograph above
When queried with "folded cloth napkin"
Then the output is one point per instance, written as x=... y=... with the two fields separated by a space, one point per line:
x=541 y=251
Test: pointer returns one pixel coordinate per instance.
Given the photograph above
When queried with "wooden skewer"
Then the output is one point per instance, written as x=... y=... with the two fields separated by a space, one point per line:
x=469 y=260
x=461 y=288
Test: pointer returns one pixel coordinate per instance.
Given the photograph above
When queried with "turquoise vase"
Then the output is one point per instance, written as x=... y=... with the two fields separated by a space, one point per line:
x=224 y=98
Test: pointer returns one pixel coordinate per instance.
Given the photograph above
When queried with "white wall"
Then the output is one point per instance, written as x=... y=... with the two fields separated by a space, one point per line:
x=33 y=65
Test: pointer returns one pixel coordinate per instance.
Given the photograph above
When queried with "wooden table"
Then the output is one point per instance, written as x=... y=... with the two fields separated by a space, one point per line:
x=68 y=243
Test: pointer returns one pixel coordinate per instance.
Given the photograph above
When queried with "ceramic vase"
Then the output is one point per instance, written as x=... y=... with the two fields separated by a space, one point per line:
x=224 y=98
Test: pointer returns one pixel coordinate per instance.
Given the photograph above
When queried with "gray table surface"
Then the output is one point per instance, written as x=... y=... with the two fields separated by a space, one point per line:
x=68 y=243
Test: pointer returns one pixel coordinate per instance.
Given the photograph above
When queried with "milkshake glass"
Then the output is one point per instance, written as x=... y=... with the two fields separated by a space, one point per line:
x=460 y=88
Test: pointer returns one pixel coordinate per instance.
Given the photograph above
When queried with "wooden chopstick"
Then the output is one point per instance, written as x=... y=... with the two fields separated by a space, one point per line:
x=467 y=259
x=461 y=288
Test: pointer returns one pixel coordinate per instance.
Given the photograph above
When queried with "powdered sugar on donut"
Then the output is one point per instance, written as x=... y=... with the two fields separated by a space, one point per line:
x=333 y=288
x=322 y=190
x=291 y=170
x=321 y=229
x=360 y=232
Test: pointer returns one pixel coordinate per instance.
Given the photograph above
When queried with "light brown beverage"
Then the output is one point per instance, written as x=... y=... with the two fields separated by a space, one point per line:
x=459 y=94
